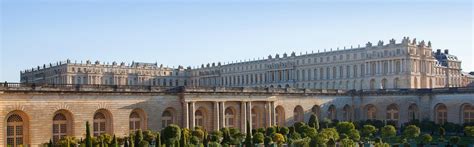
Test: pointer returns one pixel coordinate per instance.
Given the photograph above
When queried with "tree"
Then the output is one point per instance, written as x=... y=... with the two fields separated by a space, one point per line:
x=426 y=138
x=278 y=139
x=138 y=137
x=314 y=121
x=143 y=143
x=469 y=130
x=149 y=136
x=171 y=134
x=267 y=141
x=88 y=135
x=368 y=131
x=442 y=131
x=388 y=132
x=345 y=127
x=248 y=138
x=298 y=126
x=270 y=131
x=454 y=140
x=114 y=142
x=158 y=139
x=411 y=132
x=258 y=138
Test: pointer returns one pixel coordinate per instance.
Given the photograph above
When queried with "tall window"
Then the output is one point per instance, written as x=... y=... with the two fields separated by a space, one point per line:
x=332 y=112
x=280 y=116
x=135 y=121
x=15 y=130
x=199 y=117
x=384 y=84
x=392 y=113
x=347 y=113
x=166 y=119
x=371 y=112
x=255 y=118
x=298 y=114
x=100 y=122
x=372 y=84
x=316 y=110
x=413 y=112
x=59 y=127
x=468 y=114
x=441 y=114
x=229 y=118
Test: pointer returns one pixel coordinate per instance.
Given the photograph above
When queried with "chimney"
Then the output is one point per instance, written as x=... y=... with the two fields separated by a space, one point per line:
x=446 y=51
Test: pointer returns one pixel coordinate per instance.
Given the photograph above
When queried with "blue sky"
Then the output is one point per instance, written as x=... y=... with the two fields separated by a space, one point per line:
x=193 y=32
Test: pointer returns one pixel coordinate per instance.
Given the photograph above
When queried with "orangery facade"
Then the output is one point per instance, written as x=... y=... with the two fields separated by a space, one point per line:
x=34 y=114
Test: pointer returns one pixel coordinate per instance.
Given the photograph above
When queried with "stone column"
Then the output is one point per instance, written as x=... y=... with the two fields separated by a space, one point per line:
x=272 y=105
x=249 y=113
x=222 y=114
x=193 y=121
x=269 y=114
x=216 y=116
x=186 y=114
x=243 y=116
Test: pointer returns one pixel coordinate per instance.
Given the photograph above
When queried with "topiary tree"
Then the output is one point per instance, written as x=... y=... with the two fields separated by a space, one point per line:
x=158 y=139
x=144 y=143
x=138 y=137
x=270 y=131
x=149 y=136
x=279 y=139
x=426 y=138
x=388 y=132
x=298 y=126
x=368 y=131
x=267 y=141
x=114 y=142
x=88 y=135
x=469 y=130
x=314 y=121
x=442 y=132
x=171 y=135
x=345 y=127
x=411 y=132
x=258 y=138
x=248 y=138
x=454 y=140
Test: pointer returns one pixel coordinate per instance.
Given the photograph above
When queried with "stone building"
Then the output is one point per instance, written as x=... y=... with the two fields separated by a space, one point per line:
x=407 y=64
x=34 y=114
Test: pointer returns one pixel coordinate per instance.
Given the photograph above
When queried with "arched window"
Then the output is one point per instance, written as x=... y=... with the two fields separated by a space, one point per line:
x=468 y=113
x=316 y=110
x=372 y=84
x=16 y=130
x=392 y=113
x=371 y=111
x=60 y=127
x=395 y=83
x=384 y=84
x=280 y=116
x=200 y=118
x=229 y=117
x=413 y=112
x=441 y=113
x=332 y=112
x=102 y=123
x=298 y=114
x=167 y=118
x=347 y=113
x=135 y=121
x=256 y=118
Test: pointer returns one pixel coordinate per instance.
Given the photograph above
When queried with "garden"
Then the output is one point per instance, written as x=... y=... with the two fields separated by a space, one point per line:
x=313 y=133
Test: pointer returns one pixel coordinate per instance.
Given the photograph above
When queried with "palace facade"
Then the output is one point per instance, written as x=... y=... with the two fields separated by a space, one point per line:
x=407 y=64
x=394 y=82
x=34 y=114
